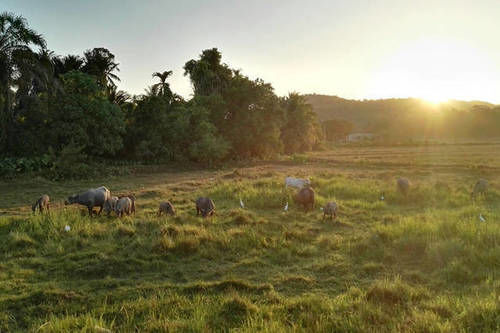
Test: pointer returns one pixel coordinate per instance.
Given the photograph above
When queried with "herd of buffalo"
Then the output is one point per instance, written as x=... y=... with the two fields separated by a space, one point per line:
x=101 y=197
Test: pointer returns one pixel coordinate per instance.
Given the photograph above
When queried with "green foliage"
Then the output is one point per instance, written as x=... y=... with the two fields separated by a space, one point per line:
x=72 y=101
x=16 y=40
x=147 y=132
x=252 y=118
x=100 y=63
x=84 y=116
x=12 y=166
x=208 y=75
x=247 y=113
x=205 y=146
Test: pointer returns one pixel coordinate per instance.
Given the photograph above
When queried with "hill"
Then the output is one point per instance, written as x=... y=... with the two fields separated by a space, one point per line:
x=377 y=115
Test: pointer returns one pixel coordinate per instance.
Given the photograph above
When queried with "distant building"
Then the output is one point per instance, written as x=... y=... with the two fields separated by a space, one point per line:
x=355 y=137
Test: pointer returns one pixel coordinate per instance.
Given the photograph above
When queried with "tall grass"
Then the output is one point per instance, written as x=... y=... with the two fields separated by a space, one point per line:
x=419 y=263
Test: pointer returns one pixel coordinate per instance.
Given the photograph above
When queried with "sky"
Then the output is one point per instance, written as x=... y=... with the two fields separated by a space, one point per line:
x=436 y=50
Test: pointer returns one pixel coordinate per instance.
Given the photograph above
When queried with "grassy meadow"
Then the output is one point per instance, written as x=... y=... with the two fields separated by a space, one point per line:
x=424 y=263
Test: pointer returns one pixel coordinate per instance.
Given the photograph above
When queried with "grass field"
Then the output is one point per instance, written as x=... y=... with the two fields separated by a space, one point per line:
x=419 y=264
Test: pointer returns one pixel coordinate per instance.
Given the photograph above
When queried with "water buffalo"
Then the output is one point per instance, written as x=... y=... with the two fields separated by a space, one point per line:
x=167 y=208
x=305 y=197
x=205 y=205
x=95 y=197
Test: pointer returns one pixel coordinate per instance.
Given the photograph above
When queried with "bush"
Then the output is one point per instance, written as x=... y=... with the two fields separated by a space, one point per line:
x=10 y=166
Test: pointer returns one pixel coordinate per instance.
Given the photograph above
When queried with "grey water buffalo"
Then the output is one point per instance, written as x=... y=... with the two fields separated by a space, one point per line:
x=95 y=197
x=42 y=204
x=205 y=205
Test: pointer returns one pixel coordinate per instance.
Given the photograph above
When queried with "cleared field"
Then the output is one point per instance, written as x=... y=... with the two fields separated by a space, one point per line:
x=425 y=263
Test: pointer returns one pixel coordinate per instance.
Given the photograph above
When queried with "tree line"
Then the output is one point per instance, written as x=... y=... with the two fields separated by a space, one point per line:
x=69 y=109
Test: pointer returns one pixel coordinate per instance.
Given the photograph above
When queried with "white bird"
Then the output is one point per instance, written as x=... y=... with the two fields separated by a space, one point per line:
x=286 y=207
x=481 y=218
x=321 y=208
x=242 y=205
x=67 y=228
x=382 y=197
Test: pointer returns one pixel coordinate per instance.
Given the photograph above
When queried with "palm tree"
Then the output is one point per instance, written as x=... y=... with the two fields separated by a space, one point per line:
x=100 y=62
x=66 y=64
x=36 y=73
x=162 y=88
x=16 y=40
x=118 y=97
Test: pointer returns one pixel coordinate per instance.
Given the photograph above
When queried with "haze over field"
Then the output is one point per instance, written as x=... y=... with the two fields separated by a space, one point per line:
x=436 y=50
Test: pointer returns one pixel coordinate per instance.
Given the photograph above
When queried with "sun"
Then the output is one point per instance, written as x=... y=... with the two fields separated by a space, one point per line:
x=436 y=99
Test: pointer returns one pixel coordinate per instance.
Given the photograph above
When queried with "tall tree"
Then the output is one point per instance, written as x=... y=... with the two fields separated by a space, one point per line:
x=16 y=39
x=301 y=130
x=207 y=74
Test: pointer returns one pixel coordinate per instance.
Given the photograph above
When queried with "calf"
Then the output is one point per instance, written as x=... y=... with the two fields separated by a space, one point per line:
x=125 y=205
x=331 y=210
x=167 y=208
x=42 y=204
x=110 y=204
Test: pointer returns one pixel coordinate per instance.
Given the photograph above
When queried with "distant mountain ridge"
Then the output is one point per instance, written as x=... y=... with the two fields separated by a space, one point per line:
x=367 y=114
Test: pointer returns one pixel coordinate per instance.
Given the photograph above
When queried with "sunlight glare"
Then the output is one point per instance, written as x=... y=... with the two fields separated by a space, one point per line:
x=434 y=70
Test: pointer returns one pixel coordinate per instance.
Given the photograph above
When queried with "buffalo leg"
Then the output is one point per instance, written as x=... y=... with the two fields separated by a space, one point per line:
x=100 y=210
x=90 y=210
